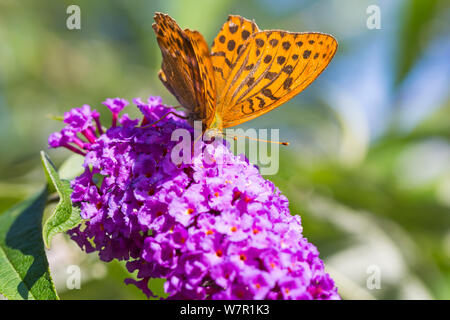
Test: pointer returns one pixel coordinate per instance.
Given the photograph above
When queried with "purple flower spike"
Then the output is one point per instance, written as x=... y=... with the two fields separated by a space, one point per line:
x=212 y=230
x=56 y=140
x=115 y=106
x=96 y=117
x=64 y=138
x=79 y=119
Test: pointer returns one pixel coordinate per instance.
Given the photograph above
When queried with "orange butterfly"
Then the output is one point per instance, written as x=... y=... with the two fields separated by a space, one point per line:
x=247 y=73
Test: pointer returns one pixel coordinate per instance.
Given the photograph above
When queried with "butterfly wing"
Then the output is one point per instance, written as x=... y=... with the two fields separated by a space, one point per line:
x=186 y=69
x=230 y=40
x=207 y=86
x=270 y=69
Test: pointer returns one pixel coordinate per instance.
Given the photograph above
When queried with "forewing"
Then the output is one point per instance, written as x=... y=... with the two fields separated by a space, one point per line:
x=272 y=67
x=207 y=85
x=186 y=68
x=224 y=50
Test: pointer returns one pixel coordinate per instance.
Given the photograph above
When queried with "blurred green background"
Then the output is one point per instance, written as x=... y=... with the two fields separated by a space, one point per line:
x=368 y=168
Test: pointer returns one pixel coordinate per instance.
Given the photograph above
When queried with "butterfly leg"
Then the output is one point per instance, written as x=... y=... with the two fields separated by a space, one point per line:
x=173 y=107
x=171 y=112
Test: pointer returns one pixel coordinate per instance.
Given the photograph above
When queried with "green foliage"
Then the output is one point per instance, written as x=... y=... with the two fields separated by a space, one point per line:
x=64 y=217
x=24 y=270
x=64 y=70
x=417 y=17
x=71 y=167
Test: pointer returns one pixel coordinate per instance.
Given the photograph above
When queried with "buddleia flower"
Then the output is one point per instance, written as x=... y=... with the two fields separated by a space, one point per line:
x=212 y=229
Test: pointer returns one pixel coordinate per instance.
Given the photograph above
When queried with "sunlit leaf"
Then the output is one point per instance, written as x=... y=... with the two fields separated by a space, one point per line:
x=24 y=270
x=64 y=217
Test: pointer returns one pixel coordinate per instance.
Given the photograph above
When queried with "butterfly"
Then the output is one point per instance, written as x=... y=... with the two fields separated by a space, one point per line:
x=246 y=73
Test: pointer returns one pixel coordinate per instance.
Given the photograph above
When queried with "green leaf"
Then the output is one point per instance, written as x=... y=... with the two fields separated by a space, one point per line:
x=72 y=167
x=414 y=35
x=64 y=217
x=24 y=271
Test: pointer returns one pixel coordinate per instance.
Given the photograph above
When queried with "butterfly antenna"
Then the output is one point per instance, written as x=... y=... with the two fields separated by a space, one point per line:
x=198 y=138
x=236 y=136
x=171 y=112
